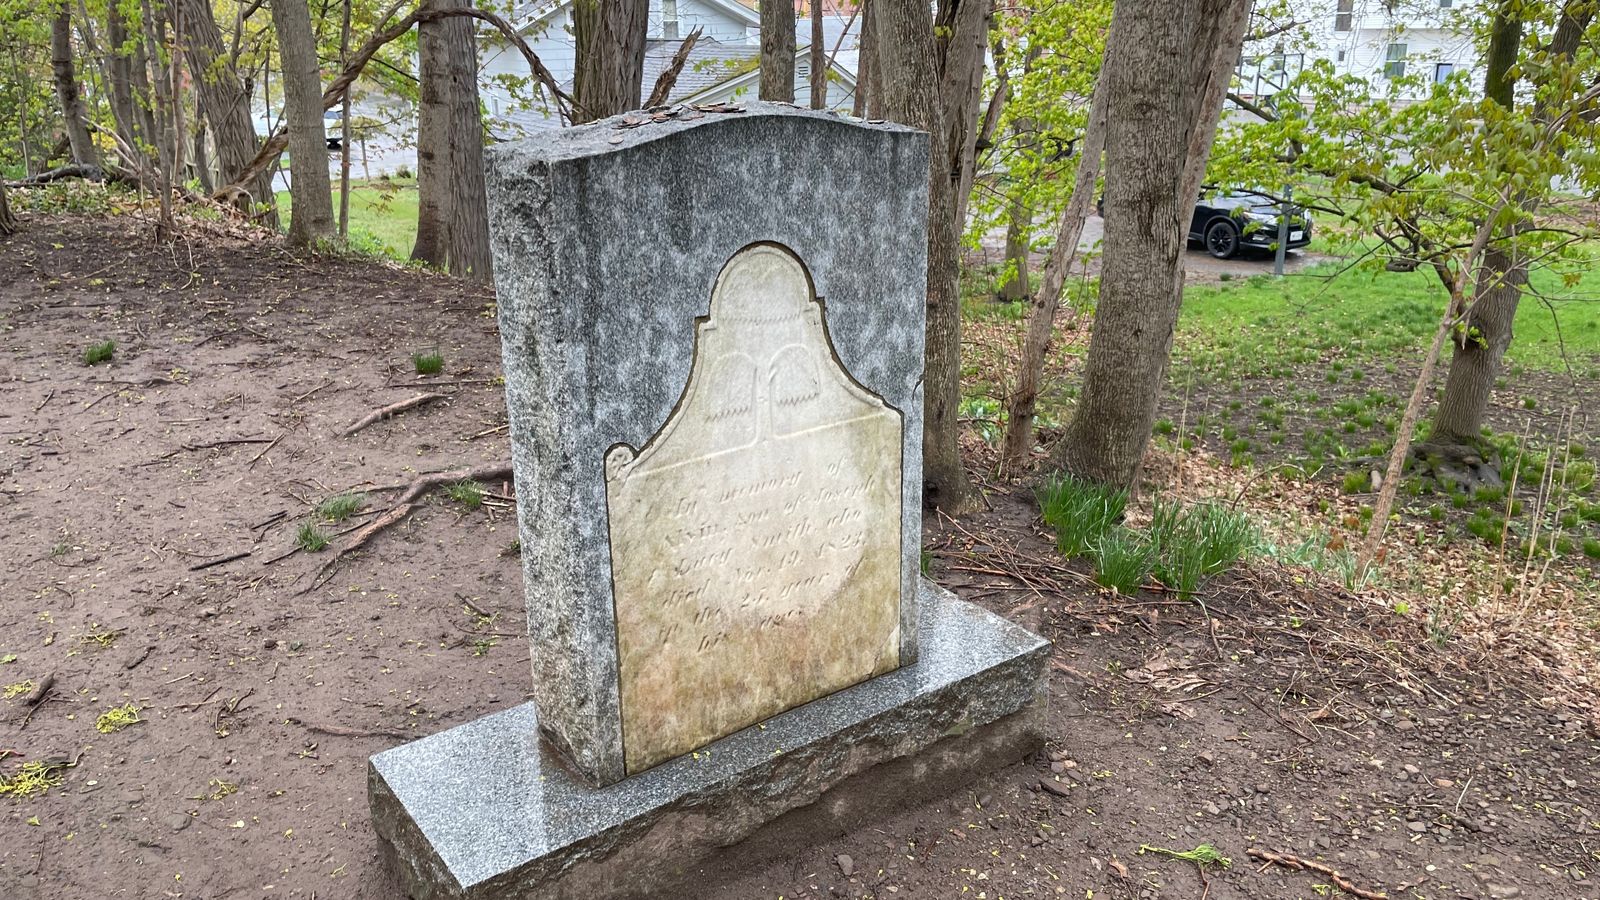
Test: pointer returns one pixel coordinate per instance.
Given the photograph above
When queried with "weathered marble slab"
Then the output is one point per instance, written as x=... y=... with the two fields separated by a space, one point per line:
x=484 y=811
x=755 y=540
x=607 y=244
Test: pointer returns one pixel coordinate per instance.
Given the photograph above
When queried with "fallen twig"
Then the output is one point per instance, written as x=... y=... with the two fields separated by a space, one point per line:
x=45 y=400
x=1290 y=861
x=384 y=412
x=218 y=561
x=257 y=458
x=39 y=690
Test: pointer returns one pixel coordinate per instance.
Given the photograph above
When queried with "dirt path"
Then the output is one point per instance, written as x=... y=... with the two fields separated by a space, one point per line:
x=260 y=700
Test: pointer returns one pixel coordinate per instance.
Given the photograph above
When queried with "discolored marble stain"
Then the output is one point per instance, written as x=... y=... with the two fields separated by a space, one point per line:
x=756 y=537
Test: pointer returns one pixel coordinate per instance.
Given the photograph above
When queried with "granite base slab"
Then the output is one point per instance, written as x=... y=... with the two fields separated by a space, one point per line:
x=484 y=811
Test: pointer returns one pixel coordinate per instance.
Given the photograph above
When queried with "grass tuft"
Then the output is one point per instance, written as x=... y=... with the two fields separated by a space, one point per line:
x=468 y=493
x=96 y=354
x=310 y=538
x=339 y=507
x=1081 y=512
x=1121 y=560
x=429 y=363
x=1193 y=543
x=31 y=778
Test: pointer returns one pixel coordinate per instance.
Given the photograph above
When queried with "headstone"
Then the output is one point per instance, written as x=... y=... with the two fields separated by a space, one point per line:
x=712 y=326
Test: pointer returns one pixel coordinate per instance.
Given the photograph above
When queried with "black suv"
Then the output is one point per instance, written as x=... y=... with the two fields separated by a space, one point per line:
x=1224 y=223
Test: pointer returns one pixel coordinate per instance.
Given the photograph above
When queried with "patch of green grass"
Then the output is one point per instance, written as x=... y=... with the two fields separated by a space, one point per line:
x=1591 y=547
x=429 y=363
x=1203 y=855
x=339 y=507
x=468 y=493
x=1251 y=327
x=1356 y=482
x=96 y=354
x=1121 y=560
x=1081 y=512
x=383 y=215
x=310 y=538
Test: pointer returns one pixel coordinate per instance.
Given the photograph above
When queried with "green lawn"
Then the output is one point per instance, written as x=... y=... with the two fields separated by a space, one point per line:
x=383 y=215
x=1265 y=326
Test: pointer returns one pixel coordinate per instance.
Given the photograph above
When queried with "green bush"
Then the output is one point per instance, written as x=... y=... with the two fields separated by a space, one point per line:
x=1591 y=547
x=1080 y=512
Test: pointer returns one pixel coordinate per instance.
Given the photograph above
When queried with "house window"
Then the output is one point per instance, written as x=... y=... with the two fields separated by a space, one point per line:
x=1442 y=72
x=1445 y=4
x=1343 y=14
x=1394 y=65
x=1339 y=57
x=669 y=18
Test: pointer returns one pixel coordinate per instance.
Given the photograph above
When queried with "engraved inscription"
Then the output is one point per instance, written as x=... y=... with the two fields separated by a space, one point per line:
x=755 y=540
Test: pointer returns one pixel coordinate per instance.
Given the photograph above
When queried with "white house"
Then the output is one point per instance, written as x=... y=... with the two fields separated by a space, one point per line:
x=1371 y=39
x=724 y=65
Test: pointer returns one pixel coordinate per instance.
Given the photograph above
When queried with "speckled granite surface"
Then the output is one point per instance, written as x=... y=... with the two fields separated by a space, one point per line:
x=607 y=242
x=484 y=811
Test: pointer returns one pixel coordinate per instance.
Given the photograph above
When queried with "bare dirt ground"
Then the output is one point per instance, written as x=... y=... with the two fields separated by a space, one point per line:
x=1294 y=718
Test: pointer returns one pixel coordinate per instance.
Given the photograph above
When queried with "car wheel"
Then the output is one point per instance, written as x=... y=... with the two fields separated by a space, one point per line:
x=1222 y=240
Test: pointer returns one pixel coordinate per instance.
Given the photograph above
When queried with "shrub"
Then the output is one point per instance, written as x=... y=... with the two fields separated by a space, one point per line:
x=1080 y=512
x=1191 y=544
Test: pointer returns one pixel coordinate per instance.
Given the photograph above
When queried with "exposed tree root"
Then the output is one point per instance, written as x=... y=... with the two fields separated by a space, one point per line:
x=1290 y=861
x=384 y=412
x=403 y=505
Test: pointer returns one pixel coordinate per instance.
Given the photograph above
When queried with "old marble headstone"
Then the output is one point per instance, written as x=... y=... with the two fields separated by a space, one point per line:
x=712 y=328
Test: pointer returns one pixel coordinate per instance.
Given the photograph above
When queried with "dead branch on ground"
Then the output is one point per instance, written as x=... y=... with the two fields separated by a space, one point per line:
x=384 y=412
x=1290 y=861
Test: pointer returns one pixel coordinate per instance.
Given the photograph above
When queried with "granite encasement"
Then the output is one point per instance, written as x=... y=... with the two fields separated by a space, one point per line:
x=712 y=324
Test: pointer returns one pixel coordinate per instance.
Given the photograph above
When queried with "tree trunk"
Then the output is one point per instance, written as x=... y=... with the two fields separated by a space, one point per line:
x=225 y=103
x=962 y=36
x=119 y=80
x=819 y=59
x=1166 y=72
x=609 y=74
x=777 y=50
x=72 y=112
x=344 y=131
x=311 y=218
x=145 y=102
x=8 y=222
x=1024 y=400
x=866 y=65
x=1481 y=343
x=909 y=57
x=452 y=213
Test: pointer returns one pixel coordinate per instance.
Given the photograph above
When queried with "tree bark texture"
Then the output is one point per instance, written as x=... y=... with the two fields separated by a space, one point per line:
x=777 y=50
x=119 y=82
x=311 y=217
x=867 y=66
x=819 y=59
x=1018 y=219
x=452 y=209
x=1480 y=345
x=8 y=222
x=962 y=36
x=609 y=76
x=225 y=104
x=916 y=72
x=67 y=92
x=1166 y=72
x=1023 y=402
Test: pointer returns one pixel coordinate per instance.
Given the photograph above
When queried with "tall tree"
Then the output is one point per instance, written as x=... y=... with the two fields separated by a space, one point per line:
x=311 y=219
x=609 y=74
x=931 y=71
x=777 y=50
x=452 y=208
x=225 y=104
x=1166 y=72
x=67 y=90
